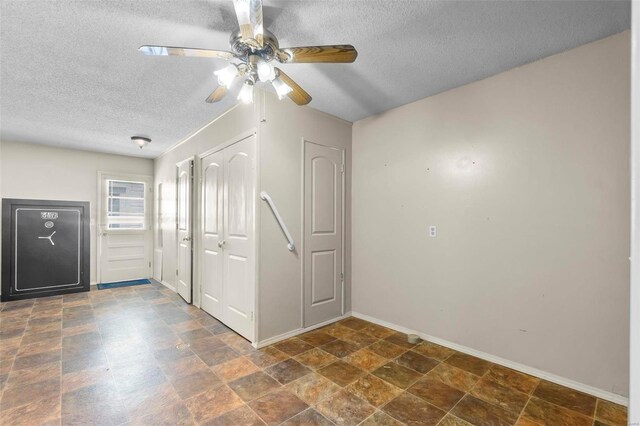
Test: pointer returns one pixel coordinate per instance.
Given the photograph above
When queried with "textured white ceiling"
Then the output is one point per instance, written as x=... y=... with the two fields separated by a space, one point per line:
x=71 y=75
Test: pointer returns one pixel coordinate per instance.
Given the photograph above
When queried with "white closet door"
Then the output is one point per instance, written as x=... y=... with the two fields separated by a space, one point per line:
x=323 y=186
x=184 y=198
x=212 y=234
x=239 y=230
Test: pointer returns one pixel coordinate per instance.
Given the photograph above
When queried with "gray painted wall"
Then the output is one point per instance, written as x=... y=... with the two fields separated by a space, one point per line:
x=526 y=176
x=219 y=131
x=281 y=127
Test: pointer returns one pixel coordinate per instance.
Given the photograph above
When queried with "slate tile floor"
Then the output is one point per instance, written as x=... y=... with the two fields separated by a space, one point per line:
x=141 y=356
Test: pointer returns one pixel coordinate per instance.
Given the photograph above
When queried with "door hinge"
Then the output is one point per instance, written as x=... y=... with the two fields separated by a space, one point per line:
x=251 y=315
x=341 y=168
x=149 y=264
x=342 y=276
x=176 y=272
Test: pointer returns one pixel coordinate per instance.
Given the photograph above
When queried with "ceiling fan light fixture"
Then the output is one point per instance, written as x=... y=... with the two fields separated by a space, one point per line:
x=141 y=141
x=282 y=88
x=255 y=51
x=226 y=75
x=266 y=72
x=246 y=93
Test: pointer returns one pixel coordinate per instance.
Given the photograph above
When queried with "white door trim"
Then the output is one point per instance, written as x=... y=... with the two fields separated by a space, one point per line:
x=634 y=317
x=302 y=218
x=190 y=219
x=198 y=224
x=99 y=219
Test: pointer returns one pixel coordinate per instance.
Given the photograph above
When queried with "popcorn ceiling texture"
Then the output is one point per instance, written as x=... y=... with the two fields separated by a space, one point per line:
x=71 y=75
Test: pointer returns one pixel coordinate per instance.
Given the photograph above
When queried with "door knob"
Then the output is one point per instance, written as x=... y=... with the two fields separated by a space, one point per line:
x=221 y=243
x=186 y=239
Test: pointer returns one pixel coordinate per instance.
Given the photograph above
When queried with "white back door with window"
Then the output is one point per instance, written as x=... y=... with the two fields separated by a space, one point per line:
x=183 y=225
x=228 y=235
x=125 y=238
x=323 y=192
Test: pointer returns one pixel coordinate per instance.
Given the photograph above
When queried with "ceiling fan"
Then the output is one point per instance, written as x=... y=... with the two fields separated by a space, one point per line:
x=254 y=48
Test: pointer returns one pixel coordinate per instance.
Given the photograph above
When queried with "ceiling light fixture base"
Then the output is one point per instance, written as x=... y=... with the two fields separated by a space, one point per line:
x=141 y=141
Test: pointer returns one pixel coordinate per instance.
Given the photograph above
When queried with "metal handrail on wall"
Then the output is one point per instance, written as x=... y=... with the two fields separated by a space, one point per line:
x=274 y=209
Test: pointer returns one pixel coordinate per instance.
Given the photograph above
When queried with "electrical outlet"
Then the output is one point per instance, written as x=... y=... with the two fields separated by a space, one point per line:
x=432 y=231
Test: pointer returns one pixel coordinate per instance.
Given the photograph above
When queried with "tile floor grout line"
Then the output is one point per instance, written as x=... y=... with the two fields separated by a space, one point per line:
x=524 y=407
x=563 y=407
x=210 y=368
x=110 y=367
x=14 y=359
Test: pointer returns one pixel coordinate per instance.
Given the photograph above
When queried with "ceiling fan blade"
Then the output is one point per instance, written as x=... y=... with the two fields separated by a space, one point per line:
x=327 y=54
x=249 y=13
x=217 y=94
x=297 y=94
x=184 y=51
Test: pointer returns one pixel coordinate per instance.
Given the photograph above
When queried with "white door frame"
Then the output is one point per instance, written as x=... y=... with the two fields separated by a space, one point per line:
x=343 y=214
x=100 y=219
x=634 y=317
x=158 y=238
x=190 y=218
x=198 y=224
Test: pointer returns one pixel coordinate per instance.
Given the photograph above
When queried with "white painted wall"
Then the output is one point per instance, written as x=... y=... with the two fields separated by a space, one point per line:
x=526 y=175
x=48 y=173
x=634 y=370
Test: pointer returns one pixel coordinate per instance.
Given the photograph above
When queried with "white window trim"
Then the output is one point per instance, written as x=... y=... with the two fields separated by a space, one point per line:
x=134 y=218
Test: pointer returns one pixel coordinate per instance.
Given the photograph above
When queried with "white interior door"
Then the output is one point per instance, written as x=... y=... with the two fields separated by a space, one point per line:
x=212 y=234
x=228 y=235
x=239 y=230
x=323 y=273
x=125 y=237
x=184 y=199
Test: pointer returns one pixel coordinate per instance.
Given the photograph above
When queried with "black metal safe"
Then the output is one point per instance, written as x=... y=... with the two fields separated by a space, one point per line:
x=45 y=248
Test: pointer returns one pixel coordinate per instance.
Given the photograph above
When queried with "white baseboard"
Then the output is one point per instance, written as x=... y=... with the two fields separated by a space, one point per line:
x=167 y=285
x=292 y=333
x=602 y=394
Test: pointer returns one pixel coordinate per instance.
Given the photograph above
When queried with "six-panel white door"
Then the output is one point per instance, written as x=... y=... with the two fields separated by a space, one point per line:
x=323 y=274
x=228 y=235
x=184 y=197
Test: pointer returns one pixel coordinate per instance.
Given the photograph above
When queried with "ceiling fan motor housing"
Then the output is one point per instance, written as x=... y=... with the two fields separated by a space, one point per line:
x=241 y=49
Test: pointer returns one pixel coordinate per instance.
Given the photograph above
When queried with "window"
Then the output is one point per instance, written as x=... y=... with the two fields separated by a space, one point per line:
x=125 y=204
